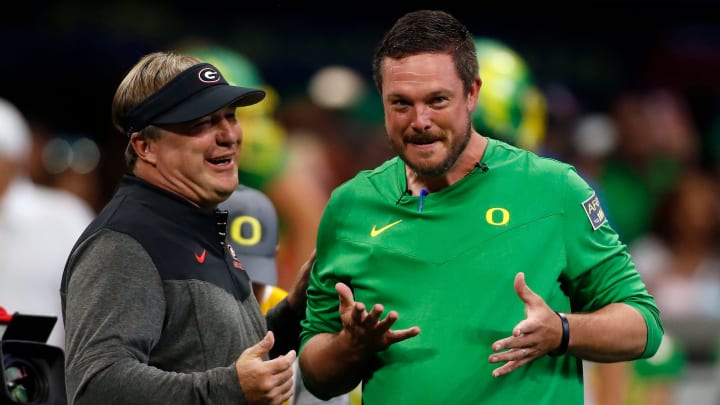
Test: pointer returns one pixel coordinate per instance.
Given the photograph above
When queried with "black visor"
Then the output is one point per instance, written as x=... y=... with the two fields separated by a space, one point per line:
x=196 y=92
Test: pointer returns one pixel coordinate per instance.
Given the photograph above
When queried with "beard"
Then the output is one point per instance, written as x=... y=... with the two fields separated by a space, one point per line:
x=455 y=149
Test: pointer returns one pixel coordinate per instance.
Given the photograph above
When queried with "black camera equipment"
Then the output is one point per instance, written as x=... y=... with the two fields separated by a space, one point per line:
x=31 y=372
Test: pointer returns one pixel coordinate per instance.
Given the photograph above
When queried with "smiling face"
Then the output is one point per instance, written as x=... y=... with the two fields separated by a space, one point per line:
x=427 y=112
x=195 y=160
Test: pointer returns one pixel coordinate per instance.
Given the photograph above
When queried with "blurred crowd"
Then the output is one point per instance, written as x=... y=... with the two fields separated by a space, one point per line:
x=656 y=170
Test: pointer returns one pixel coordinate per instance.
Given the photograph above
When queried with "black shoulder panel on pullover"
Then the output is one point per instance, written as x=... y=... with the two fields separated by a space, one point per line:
x=184 y=241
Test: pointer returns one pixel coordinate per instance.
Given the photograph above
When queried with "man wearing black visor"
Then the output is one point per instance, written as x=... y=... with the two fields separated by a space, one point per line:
x=156 y=306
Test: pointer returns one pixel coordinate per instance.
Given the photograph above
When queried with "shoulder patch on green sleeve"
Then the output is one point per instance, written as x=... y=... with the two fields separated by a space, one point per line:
x=594 y=211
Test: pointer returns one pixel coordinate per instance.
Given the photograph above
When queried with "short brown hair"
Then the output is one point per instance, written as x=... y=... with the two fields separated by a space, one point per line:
x=429 y=31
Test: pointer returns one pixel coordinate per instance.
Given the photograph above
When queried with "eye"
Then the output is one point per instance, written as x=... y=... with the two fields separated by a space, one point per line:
x=231 y=117
x=438 y=100
x=200 y=123
x=399 y=103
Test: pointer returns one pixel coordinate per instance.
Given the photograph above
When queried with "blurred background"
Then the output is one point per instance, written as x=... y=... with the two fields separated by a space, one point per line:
x=628 y=91
x=64 y=59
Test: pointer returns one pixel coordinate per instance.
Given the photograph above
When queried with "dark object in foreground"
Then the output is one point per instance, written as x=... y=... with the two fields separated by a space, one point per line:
x=31 y=371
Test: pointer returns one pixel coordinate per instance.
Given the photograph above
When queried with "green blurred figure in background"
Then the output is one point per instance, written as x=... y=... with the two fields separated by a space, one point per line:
x=510 y=107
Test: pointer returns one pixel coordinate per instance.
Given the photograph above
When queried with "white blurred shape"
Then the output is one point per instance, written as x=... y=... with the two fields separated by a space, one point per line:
x=595 y=135
x=14 y=131
x=57 y=155
x=86 y=155
x=336 y=87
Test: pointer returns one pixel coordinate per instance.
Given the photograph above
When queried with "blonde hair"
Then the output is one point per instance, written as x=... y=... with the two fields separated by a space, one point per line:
x=149 y=75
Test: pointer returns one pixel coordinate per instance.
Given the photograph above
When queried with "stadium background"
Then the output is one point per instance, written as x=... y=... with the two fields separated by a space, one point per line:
x=63 y=60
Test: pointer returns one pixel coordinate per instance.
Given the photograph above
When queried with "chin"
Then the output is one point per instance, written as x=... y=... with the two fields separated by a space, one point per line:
x=212 y=201
x=225 y=192
x=427 y=167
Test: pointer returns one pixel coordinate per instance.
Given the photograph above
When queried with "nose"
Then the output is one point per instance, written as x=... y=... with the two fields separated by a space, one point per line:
x=421 y=118
x=229 y=132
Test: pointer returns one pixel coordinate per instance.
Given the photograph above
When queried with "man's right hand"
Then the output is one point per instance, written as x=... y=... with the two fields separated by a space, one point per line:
x=365 y=330
x=335 y=363
x=265 y=382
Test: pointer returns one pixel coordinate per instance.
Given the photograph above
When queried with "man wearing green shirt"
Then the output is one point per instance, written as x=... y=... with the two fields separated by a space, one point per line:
x=465 y=270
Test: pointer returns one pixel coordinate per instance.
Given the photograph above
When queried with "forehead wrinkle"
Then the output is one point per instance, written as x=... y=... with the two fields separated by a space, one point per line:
x=409 y=76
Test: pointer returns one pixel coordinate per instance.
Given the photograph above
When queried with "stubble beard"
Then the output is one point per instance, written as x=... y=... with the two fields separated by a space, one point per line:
x=443 y=167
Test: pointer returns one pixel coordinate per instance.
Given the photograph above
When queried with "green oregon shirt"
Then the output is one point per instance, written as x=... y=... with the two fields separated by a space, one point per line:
x=446 y=262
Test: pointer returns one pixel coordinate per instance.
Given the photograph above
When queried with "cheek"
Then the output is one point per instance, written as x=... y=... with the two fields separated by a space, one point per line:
x=395 y=122
x=176 y=155
x=459 y=119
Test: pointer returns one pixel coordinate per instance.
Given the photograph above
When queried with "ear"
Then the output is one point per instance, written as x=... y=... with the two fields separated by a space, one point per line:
x=473 y=93
x=143 y=148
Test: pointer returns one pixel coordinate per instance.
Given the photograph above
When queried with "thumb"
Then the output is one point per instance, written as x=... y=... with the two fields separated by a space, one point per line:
x=262 y=347
x=345 y=295
x=522 y=290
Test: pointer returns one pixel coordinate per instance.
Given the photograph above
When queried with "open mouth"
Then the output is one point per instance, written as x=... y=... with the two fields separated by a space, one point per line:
x=220 y=161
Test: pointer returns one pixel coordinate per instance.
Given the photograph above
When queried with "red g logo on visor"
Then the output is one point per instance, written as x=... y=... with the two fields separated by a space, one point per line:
x=209 y=75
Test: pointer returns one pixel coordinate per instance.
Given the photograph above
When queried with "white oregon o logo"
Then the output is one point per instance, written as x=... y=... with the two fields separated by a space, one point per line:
x=504 y=216
x=255 y=228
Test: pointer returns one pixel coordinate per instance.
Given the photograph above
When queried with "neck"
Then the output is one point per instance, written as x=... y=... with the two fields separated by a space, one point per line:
x=467 y=161
x=184 y=190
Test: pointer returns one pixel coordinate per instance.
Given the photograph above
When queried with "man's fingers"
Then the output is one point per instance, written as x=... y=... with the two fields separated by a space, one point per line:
x=262 y=347
x=282 y=365
x=285 y=390
x=520 y=285
x=509 y=367
x=371 y=318
x=513 y=358
x=502 y=344
x=368 y=325
x=345 y=294
x=402 y=334
x=387 y=323
x=275 y=385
